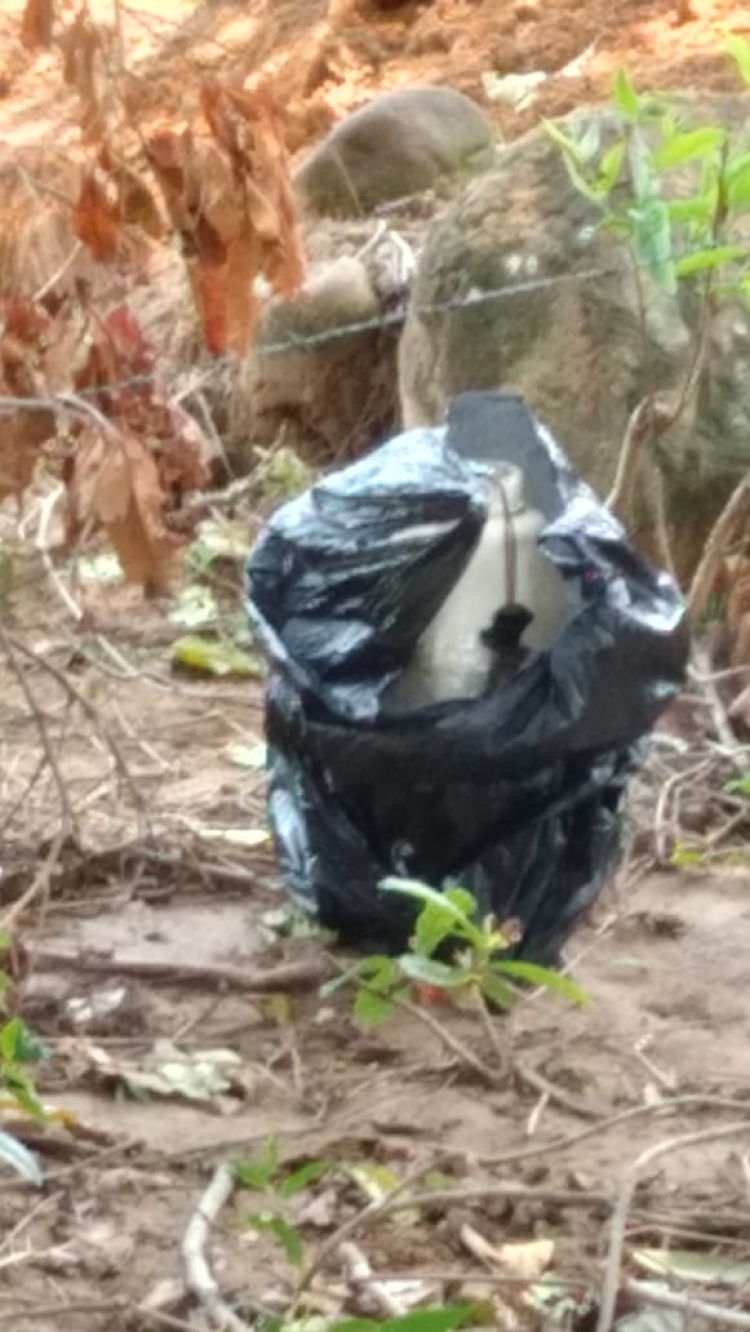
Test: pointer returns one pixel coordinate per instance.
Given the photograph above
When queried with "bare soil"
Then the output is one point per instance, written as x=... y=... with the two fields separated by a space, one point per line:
x=326 y=57
x=153 y=920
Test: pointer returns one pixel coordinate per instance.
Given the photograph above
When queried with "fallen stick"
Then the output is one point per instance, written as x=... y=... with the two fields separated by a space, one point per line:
x=611 y=1283
x=364 y=1283
x=199 y=1278
x=287 y=977
x=645 y=1292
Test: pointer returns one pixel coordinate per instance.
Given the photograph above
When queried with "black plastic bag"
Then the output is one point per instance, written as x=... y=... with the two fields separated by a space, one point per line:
x=516 y=795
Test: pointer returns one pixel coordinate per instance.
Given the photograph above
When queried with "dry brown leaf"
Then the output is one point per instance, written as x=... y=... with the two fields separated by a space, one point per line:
x=248 y=125
x=26 y=326
x=95 y=219
x=208 y=285
x=527 y=1260
x=230 y=199
x=22 y=438
x=36 y=24
x=81 y=43
x=113 y=483
x=29 y=345
x=136 y=205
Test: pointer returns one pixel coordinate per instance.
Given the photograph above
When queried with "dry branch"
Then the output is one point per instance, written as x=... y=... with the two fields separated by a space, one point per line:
x=286 y=978
x=199 y=1278
x=611 y=1283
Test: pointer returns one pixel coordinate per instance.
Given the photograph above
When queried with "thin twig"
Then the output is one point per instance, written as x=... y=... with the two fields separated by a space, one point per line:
x=719 y=717
x=93 y=715
x=530 y=1077
x=285 y=977
x=511 y=1191
x=39 y=884
x=491 y=1030
x=59 y=1311
x=47 y=508
x=647 y=1292
x=361 y=1219
x=734 y=512
x=647 y=421
x=672 y=1106
x=364 y=1284
x=12 y=647
x=611 y=1283
x=493 y=1077
x=59 y=273
x=199 y=1278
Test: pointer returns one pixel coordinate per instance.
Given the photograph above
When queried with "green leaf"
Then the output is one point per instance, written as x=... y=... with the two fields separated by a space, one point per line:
x=433 y=925
x=299 y=1179
x=376 y=1181
x=423 y=893
x=212 y=657
x=436 y=920
x=570 y=147
x=590 y=190
x=380 y=973
x=696 y=209
x=652 y=242
x=624 y=96
x=430 y=1320
x=19 y=1045
x=429 y=972
x=14 y=1154
x=576 y=154
x=684 y=147
x=739 y=49
x=737 y=184
x=544 y=976
x=683 y=857
x=270 y=1223
x=589 y=142
x=461 y=898
x=701 y=261
x=29 y=1048
x=494 y=989
x=370 y=1010
x=443 y=1319
x=644 y=179
x=621 y=227
x=258 y=1174
x=740 y=785
x=609 y=168
x=21 y=1089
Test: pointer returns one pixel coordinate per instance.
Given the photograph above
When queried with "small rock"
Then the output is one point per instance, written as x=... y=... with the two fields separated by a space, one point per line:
x=399 y=144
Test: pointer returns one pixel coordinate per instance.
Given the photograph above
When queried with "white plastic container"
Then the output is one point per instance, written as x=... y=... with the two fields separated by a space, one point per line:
x=450 y=660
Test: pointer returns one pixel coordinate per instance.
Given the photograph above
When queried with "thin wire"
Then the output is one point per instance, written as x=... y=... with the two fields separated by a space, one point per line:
x=473 y=300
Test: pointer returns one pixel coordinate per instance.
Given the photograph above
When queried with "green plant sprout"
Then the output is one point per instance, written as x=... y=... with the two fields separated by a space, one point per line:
x=266 y=1175
x=687 y=243
x=670 y=239
x=18 y=1048
x=476 y=978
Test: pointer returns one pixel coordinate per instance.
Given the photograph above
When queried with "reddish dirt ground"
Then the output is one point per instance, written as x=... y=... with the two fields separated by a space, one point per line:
x=326 y=57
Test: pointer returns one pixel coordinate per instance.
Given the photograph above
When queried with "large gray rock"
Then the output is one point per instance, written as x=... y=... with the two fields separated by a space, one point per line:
x=328 y=397
x=399 y=144
x=567 y=332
